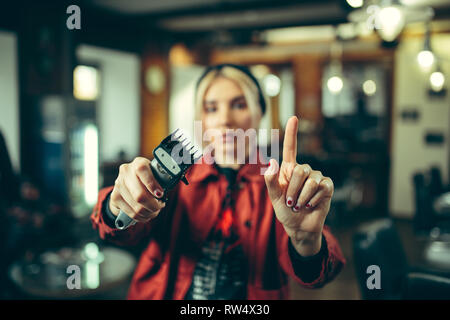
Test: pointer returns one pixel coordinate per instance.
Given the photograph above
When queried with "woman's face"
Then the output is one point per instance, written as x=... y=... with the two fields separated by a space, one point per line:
x=224 y=108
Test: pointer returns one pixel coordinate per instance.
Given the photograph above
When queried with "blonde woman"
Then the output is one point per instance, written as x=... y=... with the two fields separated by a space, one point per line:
x=233 y=233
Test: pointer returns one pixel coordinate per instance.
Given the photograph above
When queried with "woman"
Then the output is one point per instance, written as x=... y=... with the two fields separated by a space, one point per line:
x=232 y=233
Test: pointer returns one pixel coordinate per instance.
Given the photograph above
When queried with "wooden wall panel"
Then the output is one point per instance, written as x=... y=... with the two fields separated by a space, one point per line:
x=308 y=91
x=155 y=106
x=307 y=81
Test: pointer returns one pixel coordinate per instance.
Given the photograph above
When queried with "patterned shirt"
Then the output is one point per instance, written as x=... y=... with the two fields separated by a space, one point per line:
x=221 y=273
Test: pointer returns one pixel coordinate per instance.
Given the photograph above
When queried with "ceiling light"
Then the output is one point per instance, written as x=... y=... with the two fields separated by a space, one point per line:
x=437 y=80
x=369 y=87
x=391 y=21
x=425 y=58
x=390 y=18
x=335 y=84
x=355 y=3
x=272 y=85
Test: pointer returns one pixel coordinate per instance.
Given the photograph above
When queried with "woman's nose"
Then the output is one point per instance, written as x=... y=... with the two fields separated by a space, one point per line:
x=226 y=116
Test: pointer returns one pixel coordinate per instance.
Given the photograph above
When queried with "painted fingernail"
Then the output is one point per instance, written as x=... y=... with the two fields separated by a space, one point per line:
x=296 y=208
x=308 y=205
x=158 y=193
x=289 y=202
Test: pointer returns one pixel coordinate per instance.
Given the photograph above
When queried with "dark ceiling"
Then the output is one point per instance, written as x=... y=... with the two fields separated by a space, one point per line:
x=199 y=16
x=229 y=21
x=190 y=16
x=132 y=22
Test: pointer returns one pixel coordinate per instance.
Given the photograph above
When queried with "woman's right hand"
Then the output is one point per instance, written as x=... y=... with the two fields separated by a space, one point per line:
x=136 y=191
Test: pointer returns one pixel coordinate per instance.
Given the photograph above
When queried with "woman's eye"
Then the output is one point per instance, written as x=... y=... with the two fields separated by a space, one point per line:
x=209 y=109
x=239 y=105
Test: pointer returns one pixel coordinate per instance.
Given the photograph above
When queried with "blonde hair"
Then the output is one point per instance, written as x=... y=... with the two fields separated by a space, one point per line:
x=246 y=84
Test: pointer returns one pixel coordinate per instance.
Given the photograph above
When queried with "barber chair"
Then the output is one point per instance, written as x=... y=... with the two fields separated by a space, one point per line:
x=377 y=243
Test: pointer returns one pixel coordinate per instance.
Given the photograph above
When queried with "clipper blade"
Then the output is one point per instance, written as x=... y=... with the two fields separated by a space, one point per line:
x=181 y=149
x=175 y=155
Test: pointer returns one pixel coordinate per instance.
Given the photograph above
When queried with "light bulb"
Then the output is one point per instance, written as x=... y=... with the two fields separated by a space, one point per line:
x=369 y=87
x=425 y=58
x=272 y=85
x=390 y=21
x=335 y=84
x=355 y=3
x=437 y=81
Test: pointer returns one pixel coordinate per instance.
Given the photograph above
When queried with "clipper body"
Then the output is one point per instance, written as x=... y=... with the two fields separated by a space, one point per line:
x=172 y=158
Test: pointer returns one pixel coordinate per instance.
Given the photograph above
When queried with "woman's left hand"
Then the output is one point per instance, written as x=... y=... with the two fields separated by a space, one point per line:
x=300 y=196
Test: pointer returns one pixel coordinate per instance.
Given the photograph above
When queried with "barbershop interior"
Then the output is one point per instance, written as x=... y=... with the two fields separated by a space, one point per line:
x=89 y=85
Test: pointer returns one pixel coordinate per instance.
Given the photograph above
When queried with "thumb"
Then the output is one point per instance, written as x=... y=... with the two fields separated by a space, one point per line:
x=271 y=178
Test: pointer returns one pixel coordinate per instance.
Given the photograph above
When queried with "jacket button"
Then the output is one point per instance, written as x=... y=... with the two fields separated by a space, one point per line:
x=248 y=224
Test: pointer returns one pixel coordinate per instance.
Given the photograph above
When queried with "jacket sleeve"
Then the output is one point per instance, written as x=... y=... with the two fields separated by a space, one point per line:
x=311 y=272
x=128 y=237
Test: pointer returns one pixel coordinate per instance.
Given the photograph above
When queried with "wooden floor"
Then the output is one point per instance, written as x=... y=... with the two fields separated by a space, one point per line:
x=345 y=285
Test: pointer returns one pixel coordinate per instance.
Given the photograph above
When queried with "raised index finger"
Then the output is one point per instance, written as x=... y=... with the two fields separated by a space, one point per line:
x=290 y=141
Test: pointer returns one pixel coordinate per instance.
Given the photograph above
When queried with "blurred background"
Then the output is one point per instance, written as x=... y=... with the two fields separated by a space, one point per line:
x=369 y=80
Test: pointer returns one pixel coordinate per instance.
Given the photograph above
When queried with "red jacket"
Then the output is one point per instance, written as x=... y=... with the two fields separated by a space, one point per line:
x=166 y=267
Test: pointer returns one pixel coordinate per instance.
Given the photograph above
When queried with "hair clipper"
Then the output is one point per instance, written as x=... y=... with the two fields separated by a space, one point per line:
x=172 y=158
